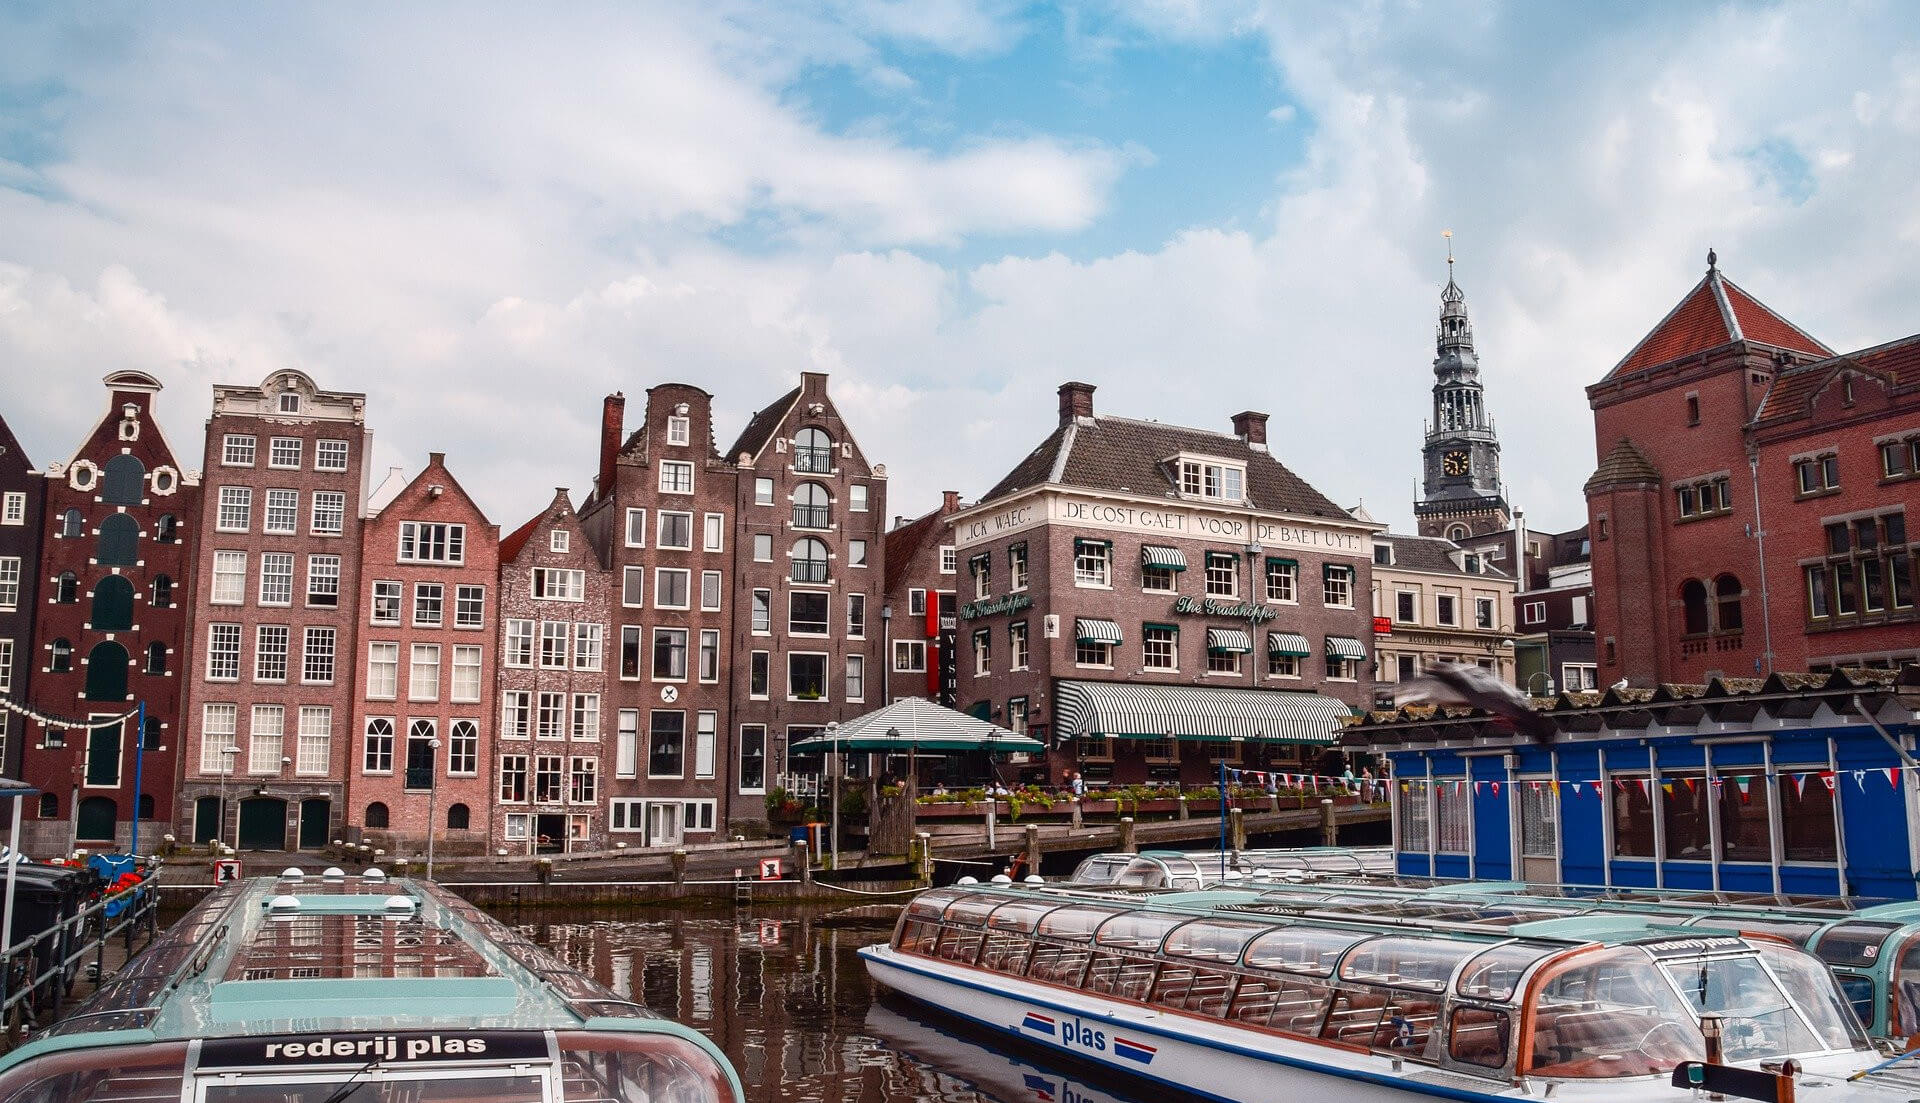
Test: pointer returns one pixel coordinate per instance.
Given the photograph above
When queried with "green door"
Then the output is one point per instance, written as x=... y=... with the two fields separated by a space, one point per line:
x=263 y=824
x=103 y=756
x=314 y=815
x=97 y=819
x=206 y=819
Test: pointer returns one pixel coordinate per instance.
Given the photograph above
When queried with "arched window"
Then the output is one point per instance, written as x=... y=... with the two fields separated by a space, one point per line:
x=107 y=672
x=146 y=806
x=119 y=541
x=458 y=818
x=1693 y=597
x=376 y=814
x=810 y=502
x=167 y=529
x=1457 y=533
x=49 y=806
x=62 y=660
x=125 y=481
x=72 y=525
x=66 y=588
x=156 y=658
x=809 y=560
x=153 y=731
x=162 y=592
x=812 y=451
x=112 y=605
x=1726 y=598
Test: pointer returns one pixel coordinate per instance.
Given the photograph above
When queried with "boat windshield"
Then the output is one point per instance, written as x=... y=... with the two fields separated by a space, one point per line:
x=1756 y=1018
x=1301 y=949
x=1609 y=1013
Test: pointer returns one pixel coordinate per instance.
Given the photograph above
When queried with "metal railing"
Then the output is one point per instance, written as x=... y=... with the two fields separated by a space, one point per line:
x=809 y=570
x=41 y=968
x=813 y=460
x=810 y=517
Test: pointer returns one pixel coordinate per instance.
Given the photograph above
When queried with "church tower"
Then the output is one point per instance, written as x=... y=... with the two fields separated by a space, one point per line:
x=1460 y=491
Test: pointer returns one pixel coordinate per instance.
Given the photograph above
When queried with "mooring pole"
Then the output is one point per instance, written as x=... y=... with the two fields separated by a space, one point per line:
x=139 y=760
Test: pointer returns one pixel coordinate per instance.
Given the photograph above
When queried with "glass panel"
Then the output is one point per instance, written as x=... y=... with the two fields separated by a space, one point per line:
x=1058 y=964
x=1307 y=950
x=1495 y=974
x=1021 y=915
x=1214 y=939
x=1632 y=812
x=1126 y=978
x=1854 y=943
x=1806 y=818
x=1408 y=962
x=932 y=905
x=1138 y=930
x=1478 y=1036
x=1818 y=997
x=1005 y=951
x=1756 y=1019
x=1076 y=922
x=1185 y=988
x=1608 y=1014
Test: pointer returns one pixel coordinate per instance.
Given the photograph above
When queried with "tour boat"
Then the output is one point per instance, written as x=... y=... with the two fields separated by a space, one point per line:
x=1226 y=995
x=338 y=989
x=954 y=1060
x=1184 y=870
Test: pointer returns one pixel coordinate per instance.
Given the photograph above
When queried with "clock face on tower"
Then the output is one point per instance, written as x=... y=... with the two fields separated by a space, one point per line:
x=1454 y=462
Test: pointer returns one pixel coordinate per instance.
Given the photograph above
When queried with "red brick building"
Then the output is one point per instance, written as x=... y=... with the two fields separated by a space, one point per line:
x=270 y=678
x=554 y=741
x=110 y=628
x=1749 y=509
x=430 y=564
x=23 y=492
x=1151 y=599
x=921 y=612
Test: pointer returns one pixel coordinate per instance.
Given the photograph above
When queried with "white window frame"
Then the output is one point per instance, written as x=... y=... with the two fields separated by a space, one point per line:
x=1534 y=612
x=686 y=584
x=430 y=651
x=679 y=430
x=559 y=541
x=826 y=676
x=229 y=585
x=714 y=532
x=235 y=512
x=328 y=515
x=712 y=587
x=282 y=581
x=660 y=529
x=323 y=449
x=949 y=559
x=763 y=492
x=673 y=473
x=589 y=645
x=383 y=670
x=285 y=502
x=294 y=445
x=636 y=524
x=467 y=662
x=238 y=450
x=453 y=539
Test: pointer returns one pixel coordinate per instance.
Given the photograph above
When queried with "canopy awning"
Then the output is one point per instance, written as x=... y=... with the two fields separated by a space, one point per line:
x=1129 y=710
x=915 y=724
x=1089 y=630
x=1287 y=643
x=1342 y=647
x=1228 y=641
x=1170 y=559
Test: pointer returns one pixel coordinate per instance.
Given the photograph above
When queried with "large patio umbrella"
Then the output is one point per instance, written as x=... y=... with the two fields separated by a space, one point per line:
x=910 y=726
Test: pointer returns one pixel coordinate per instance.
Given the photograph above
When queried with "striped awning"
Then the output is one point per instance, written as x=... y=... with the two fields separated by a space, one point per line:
x=1127 y=710
x=1287 y=643
x=1171 y=559
x=1089 y=630
x=1340 y=647
x=1225 y=641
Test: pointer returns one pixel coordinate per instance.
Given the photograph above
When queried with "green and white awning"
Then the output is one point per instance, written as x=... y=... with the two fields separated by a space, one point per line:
x=914 y=724
x=1089 y=630
x=1287 y=643
x=1169 y=559
x=1341 y=647
x=1128 y=710
x=1228 y=641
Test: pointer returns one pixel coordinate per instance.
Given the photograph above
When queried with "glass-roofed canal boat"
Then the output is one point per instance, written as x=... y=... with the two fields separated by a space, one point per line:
x=338 y=989
x=1229 y=995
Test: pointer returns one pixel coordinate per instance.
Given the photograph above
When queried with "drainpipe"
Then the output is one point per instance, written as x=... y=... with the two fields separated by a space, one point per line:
x=1760 y=536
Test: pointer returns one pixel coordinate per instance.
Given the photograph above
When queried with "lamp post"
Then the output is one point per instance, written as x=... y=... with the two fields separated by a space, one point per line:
x=1548 y=675
x=433 y=792
x=836 y=761
x=230 y=752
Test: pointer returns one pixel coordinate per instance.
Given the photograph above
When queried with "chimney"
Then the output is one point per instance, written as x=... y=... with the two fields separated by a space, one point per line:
x=1076 y=401
x=813 y=383
x=949 y=501
x=613 y=419
x=1251 y=426
x=436 y=459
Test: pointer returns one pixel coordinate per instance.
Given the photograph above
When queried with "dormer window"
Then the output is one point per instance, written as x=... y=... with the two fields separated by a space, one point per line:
x=677 y=431
x=289 y=402
x=1218 y=481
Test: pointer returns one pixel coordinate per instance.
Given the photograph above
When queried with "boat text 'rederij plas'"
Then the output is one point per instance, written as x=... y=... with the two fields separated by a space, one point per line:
x=358 y=990
x=1222 y=994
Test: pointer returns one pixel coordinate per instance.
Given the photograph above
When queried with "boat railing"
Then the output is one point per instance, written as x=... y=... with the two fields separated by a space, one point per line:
x=35 y=972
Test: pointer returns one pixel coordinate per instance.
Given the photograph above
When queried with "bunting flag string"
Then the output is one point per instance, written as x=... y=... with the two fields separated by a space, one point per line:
x=63 y=722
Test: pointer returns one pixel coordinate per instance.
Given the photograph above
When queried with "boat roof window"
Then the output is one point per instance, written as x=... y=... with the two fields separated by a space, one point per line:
x=1853 y=943
x=930 y=905
x=1076 y=921
x=1020 y=915
x=1757 y=1020
x=1424 y=963
x=1138 y=930
x=1299 y=949
x=972 y=911
x=1213 y=939
x=343 y=946
x=1496 y=973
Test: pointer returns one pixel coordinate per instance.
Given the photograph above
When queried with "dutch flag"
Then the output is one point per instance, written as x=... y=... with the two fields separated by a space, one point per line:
x=1134 y=1051
x=1039 y=1023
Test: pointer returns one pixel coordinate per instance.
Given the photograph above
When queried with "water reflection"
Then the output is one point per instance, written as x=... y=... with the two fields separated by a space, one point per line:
x=788 y=1000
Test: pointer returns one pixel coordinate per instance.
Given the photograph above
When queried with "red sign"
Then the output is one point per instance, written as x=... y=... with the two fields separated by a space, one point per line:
x=770 y=869
x=1382 y=626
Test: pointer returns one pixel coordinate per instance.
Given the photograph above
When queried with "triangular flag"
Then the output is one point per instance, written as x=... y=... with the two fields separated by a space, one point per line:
x=1799 y=785
x=1496 y=788
x=1893 y=777
x=1860 y=779
x=1645 y=789
x=1691 y=782
x=1827 y=779
x=1556 y=786
x=1667 y=787
x=1617 y=784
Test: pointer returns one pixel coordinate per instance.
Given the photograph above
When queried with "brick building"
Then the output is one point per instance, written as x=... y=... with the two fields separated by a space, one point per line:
x=22 y=494
x=110 y=627
x=807 y=638
x=556 y=596
x=921 y=609
x=1553 y=608
x=1439 y=603
x=1749 y=508
x=1150 y=599
x=430 y=564
x=269 y=683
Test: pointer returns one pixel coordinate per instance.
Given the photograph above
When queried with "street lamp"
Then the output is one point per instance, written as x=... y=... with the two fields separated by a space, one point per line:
x=230 y=752
x=1540 y=674
x=433 y=791
x=835 y=758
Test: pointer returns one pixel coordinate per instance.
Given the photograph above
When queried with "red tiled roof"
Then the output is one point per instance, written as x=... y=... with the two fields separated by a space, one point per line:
x=1714 y=314
x=517 y=539
x=1792 y=392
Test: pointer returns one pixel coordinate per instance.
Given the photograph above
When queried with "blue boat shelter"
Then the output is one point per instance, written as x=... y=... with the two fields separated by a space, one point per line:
x=1796 y=784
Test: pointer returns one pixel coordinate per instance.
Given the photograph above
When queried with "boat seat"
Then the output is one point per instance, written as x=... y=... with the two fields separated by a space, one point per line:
x=1483 y=1044
x=1355 y=1018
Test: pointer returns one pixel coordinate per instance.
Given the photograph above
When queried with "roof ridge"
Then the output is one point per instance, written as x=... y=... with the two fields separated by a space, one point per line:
x=1779 y=317
x=1165 y=425
x=1728 y=317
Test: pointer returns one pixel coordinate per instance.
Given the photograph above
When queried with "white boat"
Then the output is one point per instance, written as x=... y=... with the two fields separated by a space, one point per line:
x=1201 y=992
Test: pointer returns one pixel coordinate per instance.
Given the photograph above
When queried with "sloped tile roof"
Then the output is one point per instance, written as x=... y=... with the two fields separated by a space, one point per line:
x=760 y=426
x=902 y=542
x=1792 y=392
x=517 y=539
x=1716 y=313
x=1432 y=554
x=1121 y=454
x=1626 y=463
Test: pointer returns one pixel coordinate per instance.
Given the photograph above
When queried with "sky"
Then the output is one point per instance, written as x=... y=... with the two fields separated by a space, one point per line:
x=487 y=217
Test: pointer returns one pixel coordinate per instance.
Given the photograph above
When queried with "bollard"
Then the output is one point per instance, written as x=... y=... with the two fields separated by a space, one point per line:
x=1236 y=829
x=1033 y=849
x=1076 y=814
x=1126 y=836
x=802 y=863
x=1184 y=814
x=543 y=870
x=679 y=859
x=924 y=842
x=1329 y=827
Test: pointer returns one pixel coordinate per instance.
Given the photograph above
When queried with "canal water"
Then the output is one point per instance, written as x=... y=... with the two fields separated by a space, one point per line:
x=784 y=994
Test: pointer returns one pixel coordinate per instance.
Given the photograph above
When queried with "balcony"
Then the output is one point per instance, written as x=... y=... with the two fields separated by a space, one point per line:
x=818 y=461
x=809 y=570
x=811 y=517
